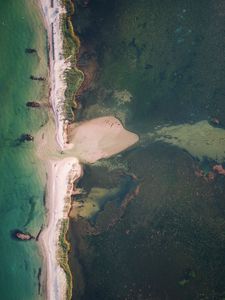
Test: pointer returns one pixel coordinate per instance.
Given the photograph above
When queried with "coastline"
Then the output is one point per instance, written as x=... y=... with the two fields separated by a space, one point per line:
x=58 y=65
x=61 y=174
x=63 y=170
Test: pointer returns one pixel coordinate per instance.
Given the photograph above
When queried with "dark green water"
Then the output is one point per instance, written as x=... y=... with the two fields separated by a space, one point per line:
x=169 y=56
x=21 y=188
x=169 y=241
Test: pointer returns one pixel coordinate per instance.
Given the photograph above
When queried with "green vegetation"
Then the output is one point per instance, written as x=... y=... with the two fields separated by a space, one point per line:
x=71 y=45
x=188 y=276
x=74 y=79
x=63 y=250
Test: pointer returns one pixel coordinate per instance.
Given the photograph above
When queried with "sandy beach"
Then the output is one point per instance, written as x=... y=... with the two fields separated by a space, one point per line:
x=61 y=176
x=88 y=142
x=60 y=173
x=58 y=64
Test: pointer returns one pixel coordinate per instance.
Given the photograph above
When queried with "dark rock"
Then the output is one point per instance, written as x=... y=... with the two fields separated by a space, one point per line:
x=40 y=231
x=30 y=50
x=19 y=235
x=148 y=66
x=33 y=104
x=26 y=137
x=39 y=78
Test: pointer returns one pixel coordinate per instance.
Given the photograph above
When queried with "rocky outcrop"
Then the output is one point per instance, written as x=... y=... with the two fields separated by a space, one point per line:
x=26 y=137
x=33 y=104
x=24 y=236
x=20 y=235
x=38 y=78
x=30 y=50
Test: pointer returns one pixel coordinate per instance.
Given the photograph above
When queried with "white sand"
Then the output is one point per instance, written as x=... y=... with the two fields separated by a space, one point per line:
x=61 y=176
x=61 y=173
x=100 y=138
x=58 y=66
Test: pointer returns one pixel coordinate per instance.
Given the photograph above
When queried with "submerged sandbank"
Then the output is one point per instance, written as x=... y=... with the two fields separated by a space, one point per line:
x=100 y=138
x=199 y=139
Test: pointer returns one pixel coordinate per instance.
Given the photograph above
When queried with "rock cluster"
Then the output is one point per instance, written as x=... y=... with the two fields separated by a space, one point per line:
x=33 y=104
x=23 y=236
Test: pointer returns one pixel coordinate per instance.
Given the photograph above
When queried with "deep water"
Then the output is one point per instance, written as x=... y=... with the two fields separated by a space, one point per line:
x=152 y=63
x=21 y=187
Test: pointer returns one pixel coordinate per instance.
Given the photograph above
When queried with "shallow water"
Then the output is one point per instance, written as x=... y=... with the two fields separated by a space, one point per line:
x=21 y=186
x=160 y=67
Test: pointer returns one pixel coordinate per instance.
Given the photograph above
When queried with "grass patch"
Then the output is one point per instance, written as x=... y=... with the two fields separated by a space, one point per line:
x=62 y=255
x=71 y=45
x=74 y=79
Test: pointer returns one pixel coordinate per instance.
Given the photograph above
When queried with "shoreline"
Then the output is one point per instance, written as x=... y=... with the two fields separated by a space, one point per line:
x=61 y=174
x=63 y=171
x=58 y=65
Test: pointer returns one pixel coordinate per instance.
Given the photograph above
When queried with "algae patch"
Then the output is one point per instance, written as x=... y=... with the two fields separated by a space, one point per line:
x=94 y=202
x=123 y=96
x=200 y=139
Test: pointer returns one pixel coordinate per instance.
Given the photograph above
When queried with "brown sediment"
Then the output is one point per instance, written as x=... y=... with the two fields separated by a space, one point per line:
x=208 y=177
x=219 y=169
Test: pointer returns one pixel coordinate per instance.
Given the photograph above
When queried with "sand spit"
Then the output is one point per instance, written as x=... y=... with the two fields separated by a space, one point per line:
x=61 y=176
x=99 y=138
x=60 y=173
x=58 y=64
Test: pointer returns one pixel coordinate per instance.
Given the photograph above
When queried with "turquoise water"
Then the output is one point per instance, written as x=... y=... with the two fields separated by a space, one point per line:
x=21 y=187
